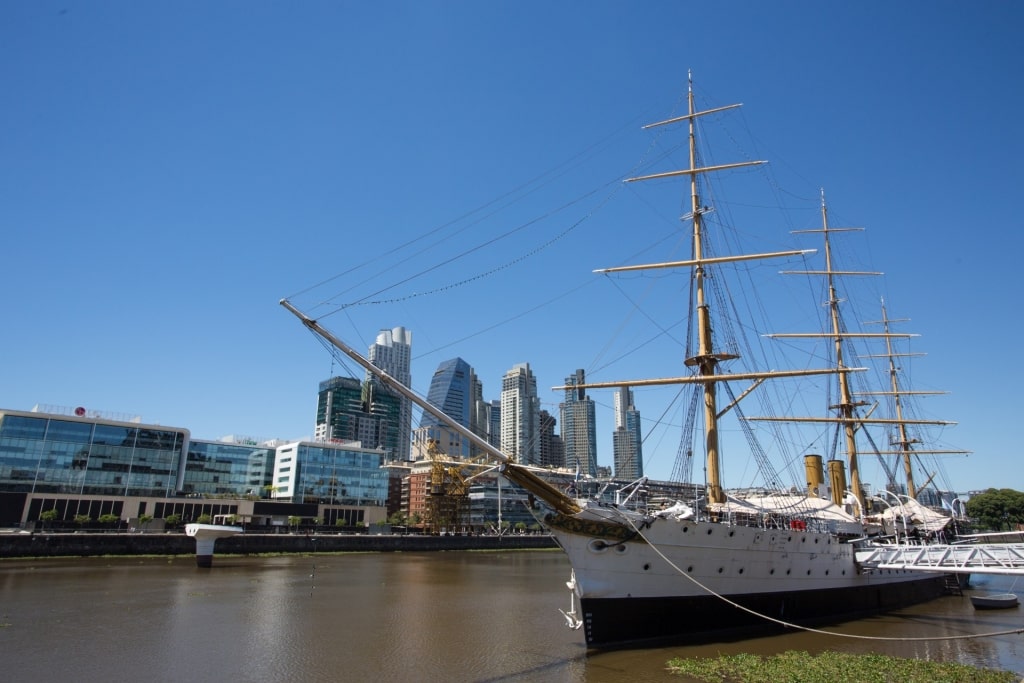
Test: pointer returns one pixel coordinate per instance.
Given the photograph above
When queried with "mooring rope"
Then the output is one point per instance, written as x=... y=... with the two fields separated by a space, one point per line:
x=808 y=629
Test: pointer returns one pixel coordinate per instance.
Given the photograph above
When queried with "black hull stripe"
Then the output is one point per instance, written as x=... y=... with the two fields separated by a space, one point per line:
x=618 y=622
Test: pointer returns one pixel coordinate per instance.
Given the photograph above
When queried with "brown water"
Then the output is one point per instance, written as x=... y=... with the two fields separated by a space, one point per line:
x=378 y=617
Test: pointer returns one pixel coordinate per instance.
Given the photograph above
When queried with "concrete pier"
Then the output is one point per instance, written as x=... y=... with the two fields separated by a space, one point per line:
x=206 y=535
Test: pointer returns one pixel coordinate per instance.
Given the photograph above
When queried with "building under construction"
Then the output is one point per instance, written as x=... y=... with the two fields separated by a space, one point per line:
x=447 y=500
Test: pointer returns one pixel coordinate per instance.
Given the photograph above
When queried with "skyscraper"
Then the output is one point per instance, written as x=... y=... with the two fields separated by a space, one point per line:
x=350 y=411
x=579 y=426
x=451 y=390
x=392 y=352
x=627 y=444
x=552 y=450
x=520 y=415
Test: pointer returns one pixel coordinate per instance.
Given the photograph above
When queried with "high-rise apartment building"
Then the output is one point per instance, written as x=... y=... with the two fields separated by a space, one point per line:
x=520 y=415
x=627 y=445
x=579 y=426
x=392 y=352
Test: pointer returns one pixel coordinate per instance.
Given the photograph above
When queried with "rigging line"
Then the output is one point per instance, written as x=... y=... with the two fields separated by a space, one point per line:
x=536 y=179
x=455 y=234
x=663 y=331
x=364 y=301
x=808 y=629
x=506 y=320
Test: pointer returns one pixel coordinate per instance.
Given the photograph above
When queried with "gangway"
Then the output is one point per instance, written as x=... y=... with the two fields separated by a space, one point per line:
x=980 y=558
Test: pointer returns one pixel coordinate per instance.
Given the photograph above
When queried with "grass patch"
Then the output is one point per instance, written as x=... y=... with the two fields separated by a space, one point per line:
x=832 y=667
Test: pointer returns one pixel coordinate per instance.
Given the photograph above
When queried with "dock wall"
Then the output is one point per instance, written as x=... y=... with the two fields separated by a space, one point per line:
x=91 y=545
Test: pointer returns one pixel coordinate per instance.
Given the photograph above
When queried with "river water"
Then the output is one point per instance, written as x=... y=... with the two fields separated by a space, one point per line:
x=453 y=616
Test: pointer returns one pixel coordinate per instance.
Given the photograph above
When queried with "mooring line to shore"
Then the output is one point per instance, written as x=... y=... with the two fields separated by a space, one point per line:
x=969 y=636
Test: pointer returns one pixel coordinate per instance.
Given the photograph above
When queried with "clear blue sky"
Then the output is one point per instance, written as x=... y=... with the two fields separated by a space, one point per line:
x=168 y=171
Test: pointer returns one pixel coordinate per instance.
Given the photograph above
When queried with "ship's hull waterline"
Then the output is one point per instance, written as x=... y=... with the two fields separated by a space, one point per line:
x=675 y=580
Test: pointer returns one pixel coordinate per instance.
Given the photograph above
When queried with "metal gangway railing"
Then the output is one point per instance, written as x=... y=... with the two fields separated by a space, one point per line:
x=980 y=558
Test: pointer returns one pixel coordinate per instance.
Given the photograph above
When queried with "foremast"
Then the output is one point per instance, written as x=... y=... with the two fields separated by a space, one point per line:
x=706 y=361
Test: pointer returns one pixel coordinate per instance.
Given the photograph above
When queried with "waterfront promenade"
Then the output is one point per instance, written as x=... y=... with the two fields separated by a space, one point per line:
x=39 y=544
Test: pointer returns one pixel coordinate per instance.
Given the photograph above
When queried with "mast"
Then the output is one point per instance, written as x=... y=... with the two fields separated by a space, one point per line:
x=705 y=363
x=903 y=442
x=846 y=408
x=706 y=360
x=846 y=405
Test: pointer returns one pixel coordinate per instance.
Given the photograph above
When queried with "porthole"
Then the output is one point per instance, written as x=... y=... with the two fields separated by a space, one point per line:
x=771 y=571
x=689 y=570
x=790 y=538
x=720 y=569
x=731 y=534
x=803 y=540
x=685 y=529
x=597 y=546
x=826 y=572
x=808 y=572
x=620 y=548
x=816 y=540
x=787 y=572
x=647 y=567
x=709 y=531
x=741 y=570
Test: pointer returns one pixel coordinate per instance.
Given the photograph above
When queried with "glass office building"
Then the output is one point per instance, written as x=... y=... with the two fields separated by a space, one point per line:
x=229 y=468
x=330 y=474
x=81 y=455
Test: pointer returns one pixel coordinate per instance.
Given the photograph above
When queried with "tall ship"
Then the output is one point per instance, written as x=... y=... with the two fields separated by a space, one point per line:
x=729 y=561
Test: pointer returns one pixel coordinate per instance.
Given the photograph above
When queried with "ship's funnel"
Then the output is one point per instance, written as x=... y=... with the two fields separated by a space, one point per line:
x=837 y=480
x=815 y=475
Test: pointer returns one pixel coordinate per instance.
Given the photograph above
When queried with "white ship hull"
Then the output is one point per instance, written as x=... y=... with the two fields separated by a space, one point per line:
x=678 y=579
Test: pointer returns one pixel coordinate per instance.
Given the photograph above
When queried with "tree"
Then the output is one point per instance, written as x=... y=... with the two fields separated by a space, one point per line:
x=82 y=520
x=398 y=518
x=294 y=521
x=109 y=519
x=172 y=521
x=48 y=516
x=204 y=519
x=144 y=520
x=997 y=509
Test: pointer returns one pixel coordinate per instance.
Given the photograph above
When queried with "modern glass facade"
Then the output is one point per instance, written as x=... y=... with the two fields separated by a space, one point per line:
x=220 y=468
x=325 y=474
x=42 y=453
x=451 y=391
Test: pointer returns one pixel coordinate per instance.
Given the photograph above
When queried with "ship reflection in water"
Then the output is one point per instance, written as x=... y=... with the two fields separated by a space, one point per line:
x=383 y=617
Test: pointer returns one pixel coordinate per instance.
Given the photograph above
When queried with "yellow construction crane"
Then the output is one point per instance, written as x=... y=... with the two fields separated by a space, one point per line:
x=447 y=494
